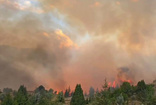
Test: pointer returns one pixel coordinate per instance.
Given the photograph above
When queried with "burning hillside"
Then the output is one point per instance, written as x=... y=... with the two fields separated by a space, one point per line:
x=122 y=76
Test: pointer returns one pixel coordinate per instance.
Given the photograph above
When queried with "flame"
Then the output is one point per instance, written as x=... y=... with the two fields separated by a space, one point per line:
x=118 y=82
x=127 y=81
x=109 y=84
x=114 y=84
x=65 y=40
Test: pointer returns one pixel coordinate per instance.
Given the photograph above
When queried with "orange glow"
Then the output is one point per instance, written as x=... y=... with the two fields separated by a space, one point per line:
x=65 y=40
x=109 y=84
x=118 y=82
x=135 y=0
x=118 y=3
x=114 y=84
x=97 y=3
x=127 y=81
x=46 y=34
x=52 y=6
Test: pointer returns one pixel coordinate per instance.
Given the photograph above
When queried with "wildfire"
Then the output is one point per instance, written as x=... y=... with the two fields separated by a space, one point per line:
x=116 y=83
x=124 y=75
x=127 y=81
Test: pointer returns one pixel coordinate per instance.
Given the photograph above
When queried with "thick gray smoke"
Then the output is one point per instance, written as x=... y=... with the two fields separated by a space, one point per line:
x=31 y=53
x=58 y=43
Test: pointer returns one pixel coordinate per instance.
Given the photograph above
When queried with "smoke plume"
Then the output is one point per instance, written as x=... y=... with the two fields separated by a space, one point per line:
x=58 y=43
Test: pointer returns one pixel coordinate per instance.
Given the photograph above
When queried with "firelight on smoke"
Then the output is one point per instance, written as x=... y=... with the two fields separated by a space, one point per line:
x=116 y=83
x=122 y=76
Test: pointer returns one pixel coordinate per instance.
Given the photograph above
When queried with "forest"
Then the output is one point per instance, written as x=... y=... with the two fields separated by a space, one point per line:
x=77 y=52
x=125 y=94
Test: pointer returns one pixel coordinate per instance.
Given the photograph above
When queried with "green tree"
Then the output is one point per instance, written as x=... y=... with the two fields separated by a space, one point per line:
x=67 y=92
x=105 y=96
x=60 y=97
x=72 y=93
x=145 y=93
x=50 y=94
x=120 y=99
x=141 y=90
x=97 y=91
x=87 y=101
x=7 y=90
x=51 y=91
x=41 y=89
x=91 y=92
x=152 y=101
x=126 y=88
x=44 y=101
x=78 y=97
x=21 y=97
x=141 y=85
x=2 y=96
x=105 y=86
x=8 y=100
x=32 y=100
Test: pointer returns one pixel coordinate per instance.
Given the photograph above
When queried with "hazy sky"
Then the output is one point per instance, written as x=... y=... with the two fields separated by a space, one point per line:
x=58 y=43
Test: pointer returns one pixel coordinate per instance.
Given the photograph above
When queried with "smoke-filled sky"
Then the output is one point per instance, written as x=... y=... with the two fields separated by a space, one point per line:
x=59 y=43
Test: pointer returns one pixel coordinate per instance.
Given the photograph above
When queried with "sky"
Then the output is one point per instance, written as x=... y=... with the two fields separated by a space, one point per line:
x=60 y=43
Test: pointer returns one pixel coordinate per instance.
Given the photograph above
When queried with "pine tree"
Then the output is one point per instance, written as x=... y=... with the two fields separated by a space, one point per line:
x=21 y=98
x=67 y=92
x=91 y=92
x=60 y=97
x=44 y=101
x=41 y=89
x=7 y=100
x=78 y=97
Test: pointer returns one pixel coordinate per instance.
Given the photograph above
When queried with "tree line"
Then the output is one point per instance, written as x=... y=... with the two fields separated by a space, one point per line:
x=126 y=94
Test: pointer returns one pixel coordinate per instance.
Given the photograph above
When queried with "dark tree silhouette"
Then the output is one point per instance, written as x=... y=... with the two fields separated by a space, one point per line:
x=78 y=97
